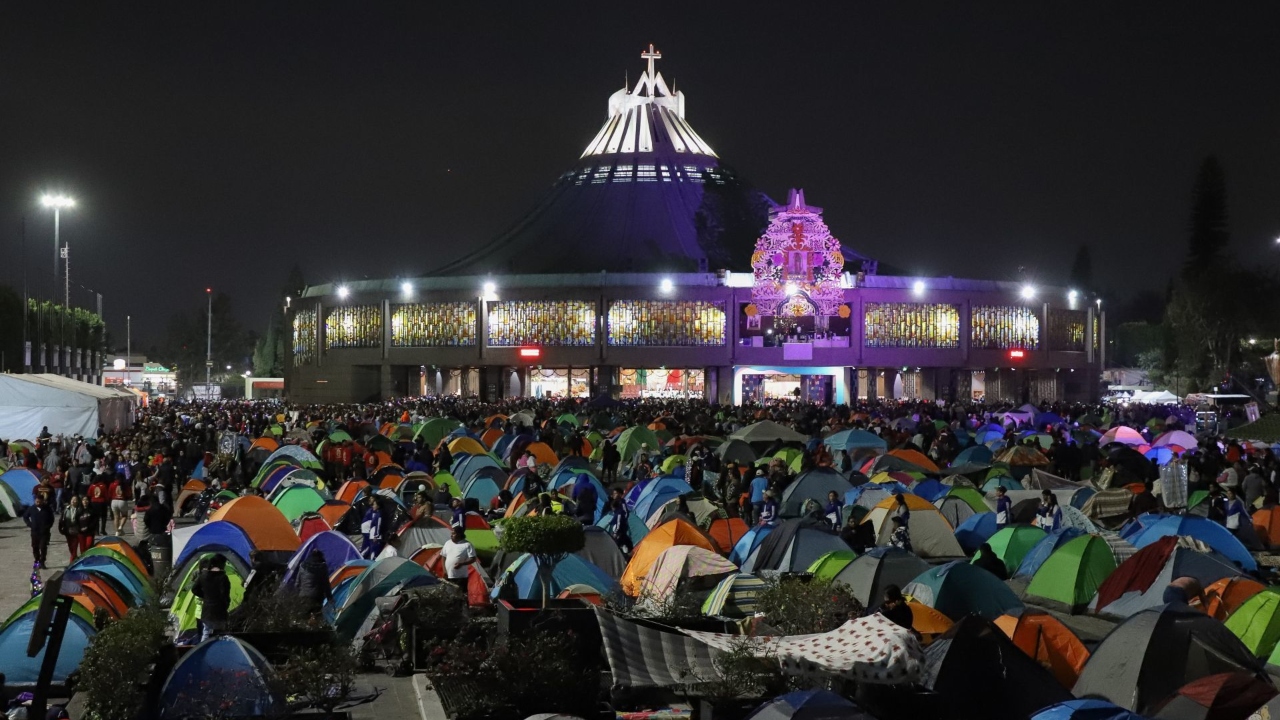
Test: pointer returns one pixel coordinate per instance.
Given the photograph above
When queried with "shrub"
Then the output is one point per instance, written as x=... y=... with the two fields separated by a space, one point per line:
x=119 y=662
x=320 y=677
x=543 y=536
x=740 y=674
x=798 y=606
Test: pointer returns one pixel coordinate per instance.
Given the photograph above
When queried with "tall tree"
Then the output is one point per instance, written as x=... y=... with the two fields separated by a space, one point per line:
x=1210 y=231
x=1082 y=270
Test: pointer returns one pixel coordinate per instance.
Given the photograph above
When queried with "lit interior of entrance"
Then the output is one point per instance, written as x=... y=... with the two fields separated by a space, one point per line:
x=559 y=382
x=661 y=382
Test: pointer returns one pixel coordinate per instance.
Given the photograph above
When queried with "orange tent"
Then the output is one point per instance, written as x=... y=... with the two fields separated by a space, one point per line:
x=265 y=525
x=915 y=457
x=195 y=486
x=491 y=436
x=350 y=489
x=390 y=481
x=345 y=572
x=91 y=600
x=333 y=512
x=928 y=622
x=1045 y=639
x=669 y=534
x=543 y=453
x=102 y=594
x=726 y=532
x=125 y=549
x=1224 y=596
x=387 y=429
x=429 y=557
x=488 y=422
x=266 y=443
x=1266 y=522
x=379 y=459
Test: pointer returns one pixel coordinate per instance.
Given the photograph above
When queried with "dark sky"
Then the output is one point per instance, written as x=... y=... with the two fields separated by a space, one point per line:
x=216 y=144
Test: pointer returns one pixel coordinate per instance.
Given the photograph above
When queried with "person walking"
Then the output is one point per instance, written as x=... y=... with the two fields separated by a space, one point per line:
x=214 y=590
x=69 y=526
x=118 y=491
x=1237 y=516
x=98 y=503
x=759 y=484
x=1004 y=507
x=39 y=519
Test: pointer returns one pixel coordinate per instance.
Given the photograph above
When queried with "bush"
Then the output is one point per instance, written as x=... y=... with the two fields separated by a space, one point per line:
x=320 y=677
x=798 y=606
x=120 y=661
x=545 y=535
x=740 y=675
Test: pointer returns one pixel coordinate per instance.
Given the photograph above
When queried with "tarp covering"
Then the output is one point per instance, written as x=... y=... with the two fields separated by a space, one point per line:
x=29 y=403
x=872 y=649
x=643 y=654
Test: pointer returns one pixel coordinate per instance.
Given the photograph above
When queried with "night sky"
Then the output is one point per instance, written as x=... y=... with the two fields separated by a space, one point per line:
x=218 y=144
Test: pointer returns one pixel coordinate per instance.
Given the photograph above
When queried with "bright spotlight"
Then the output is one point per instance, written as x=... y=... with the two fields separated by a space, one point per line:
x=918 y=287
x=791 y=288
x=57 y=201
x=343 y=292
x=1028 y=292
x=406 y=288
x=1073 y=295
x=666 y=286
x=490 y=288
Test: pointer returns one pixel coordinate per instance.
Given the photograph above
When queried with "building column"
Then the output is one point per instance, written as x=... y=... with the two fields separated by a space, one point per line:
x=386 y=386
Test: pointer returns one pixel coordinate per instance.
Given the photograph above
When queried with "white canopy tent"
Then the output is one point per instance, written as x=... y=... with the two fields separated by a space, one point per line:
x=29 y=403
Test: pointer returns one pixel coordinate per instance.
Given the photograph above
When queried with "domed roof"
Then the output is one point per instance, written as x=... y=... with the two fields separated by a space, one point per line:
x=648 y=194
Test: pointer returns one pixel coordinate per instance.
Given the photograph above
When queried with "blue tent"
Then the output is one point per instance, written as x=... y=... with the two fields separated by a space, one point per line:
x=1085 y=710
x=197 y=473
x=1003 y=481
x=216 y=535
x=748 y=543
x=868 y=495
x=19 y=669
x=521 y=577
x=975 y=530
x=809 y=705
x=958 y=589
x=221 y=674
x=23 y=482
x=576 y=480
x=335 y=546
x=633 y=495
x=930 y=489
x=976 y=454
x=1203 y=529
x=987 y=434
x=1041 y=551
x=114 y=571
x=855 y=439
x=636 y=527
x=1048 y=419
x=482 y=488
x=659 y=493
x=297 y=453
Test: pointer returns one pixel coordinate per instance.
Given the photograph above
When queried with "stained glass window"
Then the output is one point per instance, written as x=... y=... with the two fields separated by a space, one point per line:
x=1066 y=329
x=1000 y=327
x=304 y=337
x=358 y=326
x=666 y=323
x=446 y=324
x=911 y=325
x=520 y=322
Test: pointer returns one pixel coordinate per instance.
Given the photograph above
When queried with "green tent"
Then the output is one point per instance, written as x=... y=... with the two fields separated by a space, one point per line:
x=1257 y=622
x=297 y=500
x=271 y=467
x=1013 y=543
x=435 y=430
x=1070 y=576
x=1196 y=498
x=485 y=542
x=670 y=464
x=186 y=606
x=632 y=438
x=339 y=436
x=380 y=443
x=971 y=497
x=446 y=480
x=791 y=457
x=568 y=419
x=276 y=430
x=33 y=604
x=10 y=504
x=830 y=564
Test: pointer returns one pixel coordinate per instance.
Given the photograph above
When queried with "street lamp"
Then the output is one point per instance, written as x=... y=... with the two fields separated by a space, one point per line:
x=208 y=348
x=406 y=289
x=917 y=288
x=1028 y=292
x=57 y=202
x=666 y=286
x=343 y=292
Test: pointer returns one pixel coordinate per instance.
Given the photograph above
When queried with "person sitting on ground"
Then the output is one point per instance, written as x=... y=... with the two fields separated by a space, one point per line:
x=1049 y=514
x=895 y=607
x=987 y=559
x=900 y=537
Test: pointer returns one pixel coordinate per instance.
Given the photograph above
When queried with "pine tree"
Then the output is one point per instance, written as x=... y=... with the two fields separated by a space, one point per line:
x=1210 y=232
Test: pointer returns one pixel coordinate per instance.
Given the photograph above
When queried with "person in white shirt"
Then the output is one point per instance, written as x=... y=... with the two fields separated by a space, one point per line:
x=458 y=554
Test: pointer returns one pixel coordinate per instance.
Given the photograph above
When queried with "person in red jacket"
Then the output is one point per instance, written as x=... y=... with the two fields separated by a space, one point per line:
x=99 y=499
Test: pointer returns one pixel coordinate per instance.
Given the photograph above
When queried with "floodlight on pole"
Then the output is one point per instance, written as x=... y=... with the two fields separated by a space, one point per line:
x=1028 y=292
x=666 y=286
x=57 y=203
x=917 y=288
x=406 y=289
x=343 y=292
x=208 y=348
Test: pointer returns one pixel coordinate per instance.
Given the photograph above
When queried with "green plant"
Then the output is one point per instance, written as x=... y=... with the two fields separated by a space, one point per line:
x=548 y=538
x=798 y=606
x=273 y=612
x=741 y=673
x=118 y=663
x=319 y=677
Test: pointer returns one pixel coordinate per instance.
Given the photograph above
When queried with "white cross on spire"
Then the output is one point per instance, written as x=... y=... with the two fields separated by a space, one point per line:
x=651 y=55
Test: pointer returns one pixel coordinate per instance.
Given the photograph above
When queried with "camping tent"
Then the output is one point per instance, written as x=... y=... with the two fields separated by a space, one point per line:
x=869 y=574
x=1071 y=576
x=1146 y=658
x=646 y=552
x=221 y=673
x=931 y=535
x=600 y=550
x=265 y=525
x=809 y=705
x=29 y=403
x=1203 y=529
x=1139 y=582
x=794 y=546
x=21 y=670
x=685 y=568
x=1044 y=637
x=521 y=578
x=957 y=589
x=1011 y=544
x=812 y=485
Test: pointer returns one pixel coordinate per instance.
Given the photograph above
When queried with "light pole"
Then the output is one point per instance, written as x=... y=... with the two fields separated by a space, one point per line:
x=128 y=348
x=208 y=353
x=58 y=202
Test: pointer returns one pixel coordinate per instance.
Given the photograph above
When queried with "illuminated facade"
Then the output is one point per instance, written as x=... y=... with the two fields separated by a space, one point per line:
x=633 y=301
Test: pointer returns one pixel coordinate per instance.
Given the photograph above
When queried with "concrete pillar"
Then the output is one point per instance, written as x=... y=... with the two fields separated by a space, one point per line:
x=386 y=385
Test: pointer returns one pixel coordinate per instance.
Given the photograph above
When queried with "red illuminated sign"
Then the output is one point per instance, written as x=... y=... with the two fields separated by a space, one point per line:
x=530 y=353
x=1017 y=354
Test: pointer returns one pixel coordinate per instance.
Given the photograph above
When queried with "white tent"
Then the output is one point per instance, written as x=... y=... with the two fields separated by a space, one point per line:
x=29 y=403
